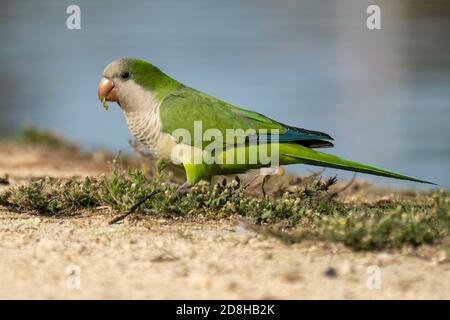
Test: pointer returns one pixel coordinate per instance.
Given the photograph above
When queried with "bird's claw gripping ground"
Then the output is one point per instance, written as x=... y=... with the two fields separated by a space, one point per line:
x=182 y=190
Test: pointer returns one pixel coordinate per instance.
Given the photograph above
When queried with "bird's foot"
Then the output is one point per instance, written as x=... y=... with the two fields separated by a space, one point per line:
x=263 y=183
x=182 y=190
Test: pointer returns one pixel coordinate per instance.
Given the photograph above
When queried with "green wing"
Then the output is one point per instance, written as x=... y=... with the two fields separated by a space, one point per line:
x=183 y=107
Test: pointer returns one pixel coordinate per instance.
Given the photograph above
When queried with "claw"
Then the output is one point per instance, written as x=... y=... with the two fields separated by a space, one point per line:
x=182 y=190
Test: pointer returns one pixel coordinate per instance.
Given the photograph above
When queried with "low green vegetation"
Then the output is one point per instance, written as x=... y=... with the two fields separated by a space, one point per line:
x=309 y=212
x=45 y=138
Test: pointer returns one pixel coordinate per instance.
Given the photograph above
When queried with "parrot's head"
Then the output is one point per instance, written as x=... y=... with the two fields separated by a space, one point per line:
x=134 y=84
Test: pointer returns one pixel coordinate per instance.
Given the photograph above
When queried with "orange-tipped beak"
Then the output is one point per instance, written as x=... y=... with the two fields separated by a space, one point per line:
x=106 y=90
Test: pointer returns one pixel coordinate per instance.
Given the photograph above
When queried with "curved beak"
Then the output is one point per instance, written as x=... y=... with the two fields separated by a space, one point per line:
x=106 y=90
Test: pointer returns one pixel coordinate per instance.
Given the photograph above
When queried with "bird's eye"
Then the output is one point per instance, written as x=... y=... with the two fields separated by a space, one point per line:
x=125 y=75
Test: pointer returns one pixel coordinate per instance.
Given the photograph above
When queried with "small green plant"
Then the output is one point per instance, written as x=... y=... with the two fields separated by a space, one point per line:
x=50 y=196
x=372 y=228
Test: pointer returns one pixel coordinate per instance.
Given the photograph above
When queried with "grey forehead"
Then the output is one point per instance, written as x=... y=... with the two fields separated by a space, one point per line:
x=114 y=67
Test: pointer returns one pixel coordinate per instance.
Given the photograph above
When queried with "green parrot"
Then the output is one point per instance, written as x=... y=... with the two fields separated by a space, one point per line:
x=157 y=108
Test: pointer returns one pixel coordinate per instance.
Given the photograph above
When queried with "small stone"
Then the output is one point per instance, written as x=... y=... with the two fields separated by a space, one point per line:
x=268 y=255
x=182 y=271
x=441 y=256
x=384 y=258
x=346 y=267
x=244 y=239
x=330 y=272
x=232 y=286
x=290 y=276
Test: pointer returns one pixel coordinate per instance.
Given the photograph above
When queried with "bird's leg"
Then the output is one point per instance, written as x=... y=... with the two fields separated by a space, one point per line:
x=279 y=171
x=265 y=179
x=139 y=148
x=182 y=190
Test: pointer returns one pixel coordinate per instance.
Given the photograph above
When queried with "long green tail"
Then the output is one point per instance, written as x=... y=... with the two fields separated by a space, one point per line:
x=294 y=153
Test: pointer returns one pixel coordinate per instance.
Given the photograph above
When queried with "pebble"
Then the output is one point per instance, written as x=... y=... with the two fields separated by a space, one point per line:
x=290 y=276
x=244 y=239
x=346 y=267
x=330 y=272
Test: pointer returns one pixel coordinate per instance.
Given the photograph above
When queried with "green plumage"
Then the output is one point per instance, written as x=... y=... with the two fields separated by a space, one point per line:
x=190 y=105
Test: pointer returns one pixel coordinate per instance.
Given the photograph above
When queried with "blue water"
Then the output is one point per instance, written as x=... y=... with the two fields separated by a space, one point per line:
x=383 y=95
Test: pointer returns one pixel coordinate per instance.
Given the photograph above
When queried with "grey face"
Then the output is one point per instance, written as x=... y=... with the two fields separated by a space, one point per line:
x=119 y=86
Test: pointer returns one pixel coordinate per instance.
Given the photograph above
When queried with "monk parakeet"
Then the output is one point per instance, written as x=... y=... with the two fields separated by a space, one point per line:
x=158 y=107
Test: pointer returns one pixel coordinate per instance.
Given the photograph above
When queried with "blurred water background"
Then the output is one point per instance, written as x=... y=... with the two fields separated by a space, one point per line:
x=384 y=95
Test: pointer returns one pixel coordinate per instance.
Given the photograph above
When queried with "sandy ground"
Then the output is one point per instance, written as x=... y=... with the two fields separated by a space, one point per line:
x=144 y=257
